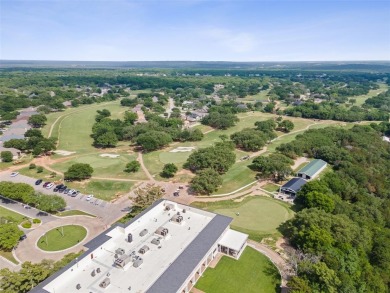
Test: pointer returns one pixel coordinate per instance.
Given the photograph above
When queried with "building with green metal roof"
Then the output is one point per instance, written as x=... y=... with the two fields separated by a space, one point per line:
x=312 y=169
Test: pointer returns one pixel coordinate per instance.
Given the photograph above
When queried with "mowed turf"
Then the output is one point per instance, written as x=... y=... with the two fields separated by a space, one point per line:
x=253 y=272
x=6 y=213
x=74 y=127
x=104 y=166
x=103 y=189
x=257 y=216
x=62 y=238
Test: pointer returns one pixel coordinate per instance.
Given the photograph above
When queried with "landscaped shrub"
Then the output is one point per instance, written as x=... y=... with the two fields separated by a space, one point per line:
x=32 y=166
x=36 y=221
x=26 y=224
x=39 y=169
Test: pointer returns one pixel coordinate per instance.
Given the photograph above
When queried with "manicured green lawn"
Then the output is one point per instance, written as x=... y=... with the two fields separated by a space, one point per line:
x=73 y=213
x=104 y=166
x=258 y=216
x=62 y=238
x=253 y=272
x=236 y=177
x=372 y=93
x=44 y=175
x=5 y=213
x=271 y=187
x=103 y=189
x=74 y=127
x=8 y=255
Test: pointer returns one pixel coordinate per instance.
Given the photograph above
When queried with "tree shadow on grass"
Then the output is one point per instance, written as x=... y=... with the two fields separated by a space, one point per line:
x=271 y=270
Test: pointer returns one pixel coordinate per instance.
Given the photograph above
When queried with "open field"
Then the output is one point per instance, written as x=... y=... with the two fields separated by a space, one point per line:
x=253 y=272
x=62 y=238
x=103 y=189
x=74 y=125
x=361 y=99
x=103 y=166
x=272 y=187
x=5 y=213
x=44 y=175
x=258 y=216
x=262 y=96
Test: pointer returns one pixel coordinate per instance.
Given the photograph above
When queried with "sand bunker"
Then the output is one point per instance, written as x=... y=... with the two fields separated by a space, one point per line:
x=63 y=153
x=112 y=156
x=182 y=149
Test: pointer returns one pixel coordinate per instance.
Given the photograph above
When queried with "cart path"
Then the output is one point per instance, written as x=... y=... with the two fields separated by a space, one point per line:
x=146 y=171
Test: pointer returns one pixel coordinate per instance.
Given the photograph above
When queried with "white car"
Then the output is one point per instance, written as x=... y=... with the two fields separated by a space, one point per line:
x=89 y=197
x=14 y=174
x=50 y=185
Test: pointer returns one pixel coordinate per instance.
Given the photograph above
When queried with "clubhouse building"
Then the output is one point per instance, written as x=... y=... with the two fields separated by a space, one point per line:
x=164 y=249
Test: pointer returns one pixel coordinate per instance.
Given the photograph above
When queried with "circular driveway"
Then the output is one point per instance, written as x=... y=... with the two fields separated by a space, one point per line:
x=28 y=251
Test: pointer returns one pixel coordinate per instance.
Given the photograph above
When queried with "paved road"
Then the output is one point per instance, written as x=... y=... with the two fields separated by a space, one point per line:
x=108 y=212
x=20 y=208
x=28 y=251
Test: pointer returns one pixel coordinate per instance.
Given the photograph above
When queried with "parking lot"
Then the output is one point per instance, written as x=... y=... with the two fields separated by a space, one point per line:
x=108 y=212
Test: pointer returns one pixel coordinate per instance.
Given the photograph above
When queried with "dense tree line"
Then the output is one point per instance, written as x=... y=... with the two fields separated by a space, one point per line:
x=333 y=111
x=31 y=274
x=208 y=164
x=33 y=142
x=381 y=101
x=25 y=193
x=343 y=228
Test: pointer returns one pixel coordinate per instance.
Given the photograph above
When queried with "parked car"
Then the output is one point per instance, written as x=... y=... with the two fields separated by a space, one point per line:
x=176 y=193
x=89 y=197
x=50 y=185
x=74 y=193
x=66 y=190
x=14 y=174
x=38 y=182
x=24 y=236
x=62 y=188
x=57 y=188
x=46 y=184
x=70 y=191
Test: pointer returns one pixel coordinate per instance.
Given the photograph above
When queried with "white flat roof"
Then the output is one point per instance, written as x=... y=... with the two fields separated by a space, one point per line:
x=233 y=239
x=155 y=261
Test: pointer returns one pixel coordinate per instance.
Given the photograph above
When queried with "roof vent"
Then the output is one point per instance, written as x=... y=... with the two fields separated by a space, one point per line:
x=105 y=283
x=143 y=232
x=78 y=286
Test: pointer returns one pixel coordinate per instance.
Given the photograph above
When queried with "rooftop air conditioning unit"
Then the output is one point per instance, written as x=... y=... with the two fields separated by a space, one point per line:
x=120 y=251
x=156 y=241
x=105 y=283
x=143 y=232
x=144 y=249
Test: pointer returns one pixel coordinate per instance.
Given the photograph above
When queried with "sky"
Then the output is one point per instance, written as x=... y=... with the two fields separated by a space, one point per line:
x=195 y=30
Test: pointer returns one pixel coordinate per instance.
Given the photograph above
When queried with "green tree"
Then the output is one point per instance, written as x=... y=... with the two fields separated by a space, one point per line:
x=6 y=156
x=37 y=120
x=249 y=139
x=108 y=139
x=79 y=171
x=169 y=170
x=275 y=166
x=33 y=133
x=269 y=108
x=219 y=157
x=132 y=167
x=16 y=191
x=153 y=140
x=206 y=181
x=315 y=199
x=144 y=197
x=286 y=125
x=49 y=203
x=130 y=117
x=9 y=236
